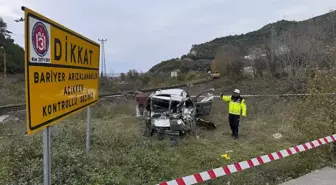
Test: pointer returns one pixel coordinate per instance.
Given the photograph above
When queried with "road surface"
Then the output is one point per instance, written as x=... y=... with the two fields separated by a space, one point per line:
x=324 y=176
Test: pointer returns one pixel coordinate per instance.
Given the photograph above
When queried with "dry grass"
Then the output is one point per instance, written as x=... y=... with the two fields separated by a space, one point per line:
x=12 y=90
x=121 y=155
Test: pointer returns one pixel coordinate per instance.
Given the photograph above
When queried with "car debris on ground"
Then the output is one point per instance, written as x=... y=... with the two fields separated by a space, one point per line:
x=277 y=136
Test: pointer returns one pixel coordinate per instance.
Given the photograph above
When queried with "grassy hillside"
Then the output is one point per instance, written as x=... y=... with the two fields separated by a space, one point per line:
x=120 y=155
x=244 y=42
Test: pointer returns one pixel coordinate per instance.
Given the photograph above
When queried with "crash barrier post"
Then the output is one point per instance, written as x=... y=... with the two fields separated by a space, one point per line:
x=243 y=165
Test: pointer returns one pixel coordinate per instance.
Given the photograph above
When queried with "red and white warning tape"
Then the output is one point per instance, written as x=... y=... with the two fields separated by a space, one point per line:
x=239 y=166
x=272 y=95
x=275 y=95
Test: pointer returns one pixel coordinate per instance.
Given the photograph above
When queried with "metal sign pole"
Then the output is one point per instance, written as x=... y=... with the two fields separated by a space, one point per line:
x=46 y=156
x=88 y=129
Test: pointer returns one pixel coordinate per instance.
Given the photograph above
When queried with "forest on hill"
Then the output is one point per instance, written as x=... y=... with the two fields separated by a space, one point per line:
x=288 y=35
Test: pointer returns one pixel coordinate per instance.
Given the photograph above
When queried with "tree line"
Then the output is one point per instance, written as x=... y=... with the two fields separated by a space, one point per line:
x=14 y=52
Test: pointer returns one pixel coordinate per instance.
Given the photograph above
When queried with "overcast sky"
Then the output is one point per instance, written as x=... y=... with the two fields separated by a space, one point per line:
x=141 y=33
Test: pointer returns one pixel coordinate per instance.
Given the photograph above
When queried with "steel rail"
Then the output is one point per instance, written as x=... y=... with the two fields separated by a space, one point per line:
x=22 y=106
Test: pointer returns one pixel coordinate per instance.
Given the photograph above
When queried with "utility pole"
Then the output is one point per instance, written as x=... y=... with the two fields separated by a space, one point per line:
x=5 y=62
x=102 y=58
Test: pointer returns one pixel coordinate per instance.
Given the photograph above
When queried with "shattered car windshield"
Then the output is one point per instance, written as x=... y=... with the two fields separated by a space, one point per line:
x=162 y=105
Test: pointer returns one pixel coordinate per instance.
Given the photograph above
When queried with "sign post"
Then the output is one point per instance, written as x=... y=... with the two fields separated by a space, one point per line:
x=61 y=76
x=46 y=156
x=88 y=129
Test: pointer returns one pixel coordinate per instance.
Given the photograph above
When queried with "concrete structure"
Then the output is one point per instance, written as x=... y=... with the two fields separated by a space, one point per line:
x=324 y=176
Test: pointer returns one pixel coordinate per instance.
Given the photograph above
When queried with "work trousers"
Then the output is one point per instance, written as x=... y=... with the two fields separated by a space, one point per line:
x=234 y=124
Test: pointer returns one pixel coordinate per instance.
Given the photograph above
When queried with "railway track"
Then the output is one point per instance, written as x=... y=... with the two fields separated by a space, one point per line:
x=15 y=107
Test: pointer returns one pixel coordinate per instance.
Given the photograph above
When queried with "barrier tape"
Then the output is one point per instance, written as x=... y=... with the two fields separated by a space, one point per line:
x=240 y=166
x=279 y=95
x=273 y=95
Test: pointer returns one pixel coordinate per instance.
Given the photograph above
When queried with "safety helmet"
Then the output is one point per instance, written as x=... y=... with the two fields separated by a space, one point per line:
x=237 y=91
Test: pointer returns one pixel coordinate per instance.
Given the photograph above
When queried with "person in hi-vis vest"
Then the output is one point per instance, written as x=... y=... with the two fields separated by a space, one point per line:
x=237 y=107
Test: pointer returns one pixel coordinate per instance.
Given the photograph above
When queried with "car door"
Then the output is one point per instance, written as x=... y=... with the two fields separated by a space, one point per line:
x=203 y=102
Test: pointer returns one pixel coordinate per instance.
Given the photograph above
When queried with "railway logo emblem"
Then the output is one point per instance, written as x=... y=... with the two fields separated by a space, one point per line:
x=40 y=39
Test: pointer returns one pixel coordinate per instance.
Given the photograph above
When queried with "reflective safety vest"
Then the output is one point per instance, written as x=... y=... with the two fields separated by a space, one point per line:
x=237 y=106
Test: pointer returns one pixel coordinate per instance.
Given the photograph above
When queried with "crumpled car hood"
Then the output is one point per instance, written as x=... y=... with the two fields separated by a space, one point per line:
x=161 y=122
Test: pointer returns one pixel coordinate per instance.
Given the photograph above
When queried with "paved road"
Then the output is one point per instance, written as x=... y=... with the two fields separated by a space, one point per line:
x=324 y=176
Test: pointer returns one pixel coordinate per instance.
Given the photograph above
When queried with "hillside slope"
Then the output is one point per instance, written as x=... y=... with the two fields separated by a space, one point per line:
x=201 y=55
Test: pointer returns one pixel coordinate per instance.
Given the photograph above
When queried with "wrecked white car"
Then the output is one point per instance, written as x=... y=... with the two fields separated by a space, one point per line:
x=173 y=112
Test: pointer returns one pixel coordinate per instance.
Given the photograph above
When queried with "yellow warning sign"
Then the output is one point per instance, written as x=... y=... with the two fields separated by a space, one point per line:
x=61 y=69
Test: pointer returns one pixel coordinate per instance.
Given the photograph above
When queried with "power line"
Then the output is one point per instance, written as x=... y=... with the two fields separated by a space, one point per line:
x=102 y=58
